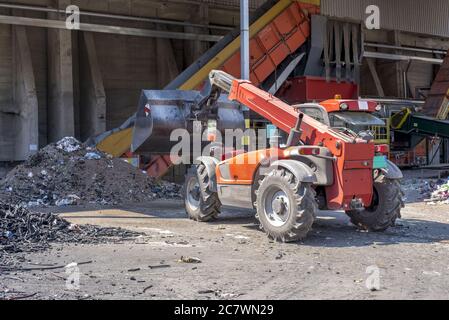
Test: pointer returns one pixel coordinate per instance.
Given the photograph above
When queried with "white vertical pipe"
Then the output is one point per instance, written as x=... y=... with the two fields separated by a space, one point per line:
x=244 y=47
x=244 y=35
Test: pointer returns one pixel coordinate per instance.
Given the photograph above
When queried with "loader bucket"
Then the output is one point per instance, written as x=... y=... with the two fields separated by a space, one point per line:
x=160 y=112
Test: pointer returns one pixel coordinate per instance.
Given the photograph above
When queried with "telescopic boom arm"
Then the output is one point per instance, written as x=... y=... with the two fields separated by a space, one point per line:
x=353 y=167
x=282 y=115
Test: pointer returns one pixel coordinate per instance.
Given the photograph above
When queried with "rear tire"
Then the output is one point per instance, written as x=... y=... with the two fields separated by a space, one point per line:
x=384 y=211
x=199 y=208
x=286 y=208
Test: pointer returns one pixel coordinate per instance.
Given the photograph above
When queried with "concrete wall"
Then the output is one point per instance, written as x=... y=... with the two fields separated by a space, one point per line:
x=71 y=99
x=417 y=16
x=126 y=70
x=125 y=65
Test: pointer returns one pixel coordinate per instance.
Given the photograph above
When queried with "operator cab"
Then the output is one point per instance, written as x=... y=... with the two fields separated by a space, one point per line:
x=355 y=116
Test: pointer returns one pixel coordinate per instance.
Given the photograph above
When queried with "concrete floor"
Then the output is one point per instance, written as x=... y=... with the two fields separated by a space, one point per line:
x=240 y=262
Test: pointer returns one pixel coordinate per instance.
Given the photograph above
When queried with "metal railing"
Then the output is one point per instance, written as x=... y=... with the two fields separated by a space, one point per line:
x=382 y=134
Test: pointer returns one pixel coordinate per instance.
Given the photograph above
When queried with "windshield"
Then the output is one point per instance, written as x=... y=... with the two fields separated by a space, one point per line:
x=354 y=119
x=315 y=113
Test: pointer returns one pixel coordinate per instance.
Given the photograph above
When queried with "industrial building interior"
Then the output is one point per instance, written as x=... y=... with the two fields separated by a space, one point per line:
x=57 y=83
x=77 y=101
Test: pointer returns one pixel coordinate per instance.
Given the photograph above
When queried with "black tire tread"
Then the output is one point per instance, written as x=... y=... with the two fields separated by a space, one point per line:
x=307 y=207
x=210 y=205
x=392 y=203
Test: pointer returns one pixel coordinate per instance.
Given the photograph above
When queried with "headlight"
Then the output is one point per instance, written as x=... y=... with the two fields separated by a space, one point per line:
x=344 y=106
x=378 y=107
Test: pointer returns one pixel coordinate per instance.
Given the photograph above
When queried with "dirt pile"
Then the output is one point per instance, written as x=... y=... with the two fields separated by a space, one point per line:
x=70 y=173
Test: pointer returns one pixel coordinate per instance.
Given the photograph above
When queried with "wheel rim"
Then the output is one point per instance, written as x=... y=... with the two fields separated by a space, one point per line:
x=193 y=194
x=277 y=207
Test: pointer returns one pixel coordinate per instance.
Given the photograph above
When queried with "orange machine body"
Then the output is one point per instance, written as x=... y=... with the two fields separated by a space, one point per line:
x=353 y=165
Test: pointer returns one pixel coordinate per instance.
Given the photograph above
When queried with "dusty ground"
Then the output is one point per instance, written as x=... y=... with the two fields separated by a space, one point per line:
x=239 y=262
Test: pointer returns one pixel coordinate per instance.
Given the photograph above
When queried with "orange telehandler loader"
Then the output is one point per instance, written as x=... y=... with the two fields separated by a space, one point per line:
x=319 y=167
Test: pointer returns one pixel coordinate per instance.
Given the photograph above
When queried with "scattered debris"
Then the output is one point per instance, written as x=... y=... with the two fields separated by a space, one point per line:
x=159 y=266
x=45 y=268
x=190 y=260
x=432 y=191
x=68 y=144
x=280 y=256
x=440 y=195
x=147 y=288
x=70 y=173
x=134 y=270
x=237 y=236
x=27 y=296
x=206 y=291
x=92 y=156
x=23 y=231
x=229 y=295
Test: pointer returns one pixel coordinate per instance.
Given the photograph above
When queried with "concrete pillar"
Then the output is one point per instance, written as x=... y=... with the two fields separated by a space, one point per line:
x=8 y=112
x=194 y=49
x=61 y=119
x=167 y=69
x=92 y=92
x=25 y=98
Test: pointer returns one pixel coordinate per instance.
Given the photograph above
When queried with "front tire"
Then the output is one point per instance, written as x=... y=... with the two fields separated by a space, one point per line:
x=198 y=207
x=286 y=208
x=385 y=209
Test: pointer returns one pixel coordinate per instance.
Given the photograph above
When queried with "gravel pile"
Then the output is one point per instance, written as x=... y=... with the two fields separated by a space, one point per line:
x=24 y=231
x=70 y=173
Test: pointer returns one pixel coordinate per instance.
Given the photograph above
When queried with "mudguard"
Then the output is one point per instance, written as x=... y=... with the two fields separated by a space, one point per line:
x=211 y=164
x=302 y=172
x=392 y=171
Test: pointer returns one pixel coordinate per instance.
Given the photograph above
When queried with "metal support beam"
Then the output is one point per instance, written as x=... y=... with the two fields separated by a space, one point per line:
x=115 y=16
x=285 y=74
x=400 y=57
x=386 y=46
x=55 y=24
x=375 y=75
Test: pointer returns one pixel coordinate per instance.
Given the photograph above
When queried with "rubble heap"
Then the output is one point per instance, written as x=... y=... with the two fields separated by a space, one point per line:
x=440 y=195
x=23 y=231
x=432 y=191
x=70 y=173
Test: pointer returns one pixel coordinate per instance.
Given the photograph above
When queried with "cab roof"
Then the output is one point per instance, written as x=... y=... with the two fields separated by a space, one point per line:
x=335 y=105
